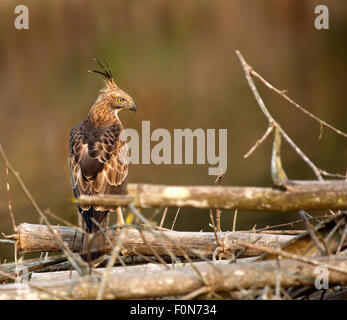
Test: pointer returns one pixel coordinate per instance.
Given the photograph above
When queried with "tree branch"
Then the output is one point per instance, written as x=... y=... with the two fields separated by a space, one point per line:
x=35 y=237
x=308 y=195
x=183 y=280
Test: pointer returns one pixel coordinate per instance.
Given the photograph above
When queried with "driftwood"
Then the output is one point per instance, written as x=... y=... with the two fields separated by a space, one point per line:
x=310 y=195
x=36 y=237
x=181 y=281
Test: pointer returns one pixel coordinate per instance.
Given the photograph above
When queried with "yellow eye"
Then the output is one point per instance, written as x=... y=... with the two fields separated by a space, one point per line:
x=120 y=100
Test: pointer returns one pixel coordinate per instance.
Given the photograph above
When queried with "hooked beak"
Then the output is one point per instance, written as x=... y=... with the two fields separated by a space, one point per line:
x=133 y=108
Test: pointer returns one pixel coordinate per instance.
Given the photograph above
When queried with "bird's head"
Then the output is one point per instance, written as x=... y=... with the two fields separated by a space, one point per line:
x=115 y=98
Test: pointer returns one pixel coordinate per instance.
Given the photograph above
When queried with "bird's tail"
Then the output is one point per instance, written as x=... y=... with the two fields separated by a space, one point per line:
x=94 y=240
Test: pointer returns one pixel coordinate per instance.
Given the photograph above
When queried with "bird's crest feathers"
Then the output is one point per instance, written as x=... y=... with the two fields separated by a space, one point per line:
x=105 y=72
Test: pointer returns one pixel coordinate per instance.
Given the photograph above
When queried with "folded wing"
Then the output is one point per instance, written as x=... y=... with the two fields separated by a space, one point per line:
x=97 y=161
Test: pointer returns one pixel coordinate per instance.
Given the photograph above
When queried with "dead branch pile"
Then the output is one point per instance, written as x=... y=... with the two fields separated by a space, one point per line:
x=219 y=277
x=255 y=264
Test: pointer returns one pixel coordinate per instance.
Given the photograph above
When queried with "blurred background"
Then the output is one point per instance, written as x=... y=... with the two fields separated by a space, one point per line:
x=177 y=60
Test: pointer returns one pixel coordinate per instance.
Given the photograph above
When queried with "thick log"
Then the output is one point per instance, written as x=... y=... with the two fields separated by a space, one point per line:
x=72 y=274
x=55 y=268
x=176 y=282
x=35 y=237
x=305 y=195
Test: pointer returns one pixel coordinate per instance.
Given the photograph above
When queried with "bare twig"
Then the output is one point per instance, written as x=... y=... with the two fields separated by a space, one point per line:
x=220 y=248
x=196 y=293
x=282 y=93
x=234 y=220
x=289 y=255
x=218 y=220
x=163 y=217
x=278 y=174
x=333 y=231
x=218 y=210
x=71 y=257
x=220 y=243
x=314 y=234
x=9 y=201
x=261 y=140
x=285 y=225
x=332 y=175
x=173 y=223
x=247 y=70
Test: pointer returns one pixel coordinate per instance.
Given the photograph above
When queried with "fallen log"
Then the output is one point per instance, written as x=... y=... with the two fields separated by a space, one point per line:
x=72 y=274
x=181 y=281
x=36 y=237
x=296 y=195
x=49 y=267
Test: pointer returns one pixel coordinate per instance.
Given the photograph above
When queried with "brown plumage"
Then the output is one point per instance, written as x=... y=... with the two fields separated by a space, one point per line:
x=98 y=159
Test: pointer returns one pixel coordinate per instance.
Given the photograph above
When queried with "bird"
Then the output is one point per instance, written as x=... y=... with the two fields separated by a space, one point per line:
x=98 y=160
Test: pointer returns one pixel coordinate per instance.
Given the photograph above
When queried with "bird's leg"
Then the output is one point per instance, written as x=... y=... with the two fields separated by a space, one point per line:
x=120 y=219
x=120 y=222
